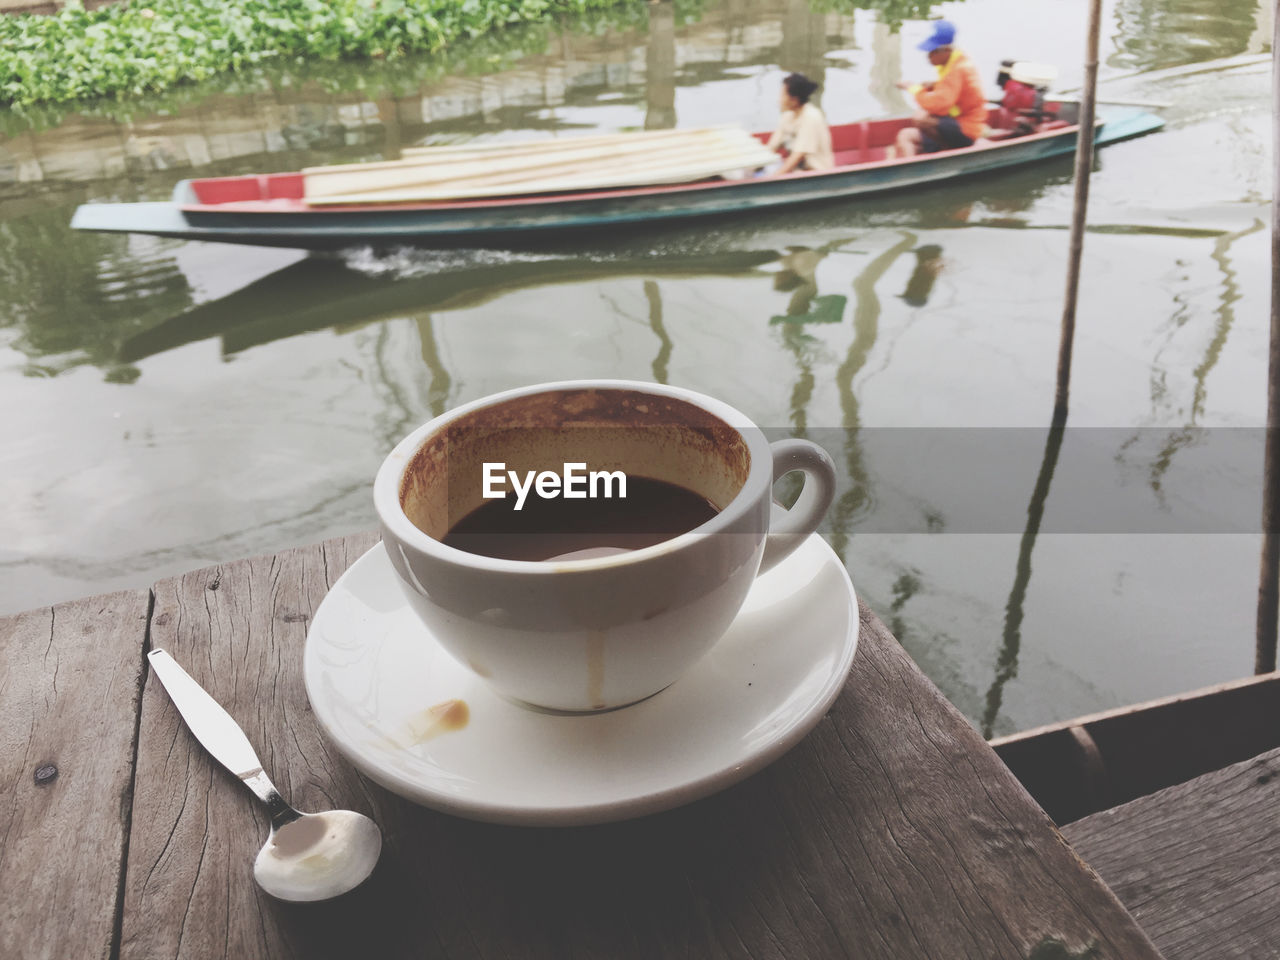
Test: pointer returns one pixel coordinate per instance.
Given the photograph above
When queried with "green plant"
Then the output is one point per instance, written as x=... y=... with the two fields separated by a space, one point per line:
x=143 y=47
x=146 y=46
x=140 y=48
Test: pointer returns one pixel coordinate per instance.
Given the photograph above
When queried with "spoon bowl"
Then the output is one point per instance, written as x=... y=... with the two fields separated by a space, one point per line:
x=308 y=856
x=318 y=856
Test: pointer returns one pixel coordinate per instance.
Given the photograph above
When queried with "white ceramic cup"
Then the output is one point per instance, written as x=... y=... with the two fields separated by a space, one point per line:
x=593 y=634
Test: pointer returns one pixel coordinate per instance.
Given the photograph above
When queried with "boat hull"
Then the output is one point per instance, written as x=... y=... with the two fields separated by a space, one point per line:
x=493 y=223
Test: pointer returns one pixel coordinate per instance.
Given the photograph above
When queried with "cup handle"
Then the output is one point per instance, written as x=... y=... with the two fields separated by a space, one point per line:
x=790 y=528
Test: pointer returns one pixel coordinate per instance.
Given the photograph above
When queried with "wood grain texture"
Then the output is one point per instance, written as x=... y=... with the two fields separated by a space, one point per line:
x=892 y=831
x=665 y=156
x=583 y=172
x=69 y=690
x=1144 y=747
x=1198 y=864
x=238 y=629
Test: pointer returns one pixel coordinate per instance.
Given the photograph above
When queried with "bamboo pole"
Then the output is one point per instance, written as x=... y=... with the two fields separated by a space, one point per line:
x=1080 y=206
x=1264 y=659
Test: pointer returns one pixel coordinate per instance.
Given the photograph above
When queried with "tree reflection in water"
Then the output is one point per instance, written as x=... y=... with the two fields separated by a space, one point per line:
x=654 y=298
x=857 y=496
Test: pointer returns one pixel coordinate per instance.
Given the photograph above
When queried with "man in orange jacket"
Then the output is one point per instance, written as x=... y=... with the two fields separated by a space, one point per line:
x=955 y=108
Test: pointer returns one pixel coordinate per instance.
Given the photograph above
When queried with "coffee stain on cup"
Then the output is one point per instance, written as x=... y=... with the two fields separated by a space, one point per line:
x=595 y=669
x=444 y=717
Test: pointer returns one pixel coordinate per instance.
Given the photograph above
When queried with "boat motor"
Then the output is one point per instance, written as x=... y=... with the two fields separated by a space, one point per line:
x=1025 y=85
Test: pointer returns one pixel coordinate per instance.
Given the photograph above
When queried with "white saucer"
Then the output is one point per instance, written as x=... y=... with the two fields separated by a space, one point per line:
x=373 y=671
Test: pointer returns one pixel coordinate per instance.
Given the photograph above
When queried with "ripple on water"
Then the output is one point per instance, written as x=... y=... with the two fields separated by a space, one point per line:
x=408 y=262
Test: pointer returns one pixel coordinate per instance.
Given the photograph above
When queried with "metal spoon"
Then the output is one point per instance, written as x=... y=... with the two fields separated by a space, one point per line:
x=309 y=856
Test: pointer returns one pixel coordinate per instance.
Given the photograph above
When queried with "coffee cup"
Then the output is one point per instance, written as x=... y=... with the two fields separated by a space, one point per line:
x=588 y=632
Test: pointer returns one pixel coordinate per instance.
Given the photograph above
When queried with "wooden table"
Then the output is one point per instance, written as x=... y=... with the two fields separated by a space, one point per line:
x=1198 y=863
x=892 y=831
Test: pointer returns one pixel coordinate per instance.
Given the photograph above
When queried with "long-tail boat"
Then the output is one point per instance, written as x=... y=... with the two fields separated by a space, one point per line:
x=274 y=210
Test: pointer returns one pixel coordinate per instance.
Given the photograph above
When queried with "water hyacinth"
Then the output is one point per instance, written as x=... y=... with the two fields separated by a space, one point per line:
x=147 y=46
x=134 y=47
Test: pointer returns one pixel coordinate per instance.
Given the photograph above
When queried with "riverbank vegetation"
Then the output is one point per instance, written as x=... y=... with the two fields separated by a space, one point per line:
x=400 y=76
x=146 y=46
x=140 y=48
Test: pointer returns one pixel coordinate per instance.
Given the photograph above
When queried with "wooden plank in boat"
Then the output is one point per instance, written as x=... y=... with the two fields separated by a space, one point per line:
x=420 y=156
x=668 y=167
x=554 y=143
x=416 y=155
x=1088 y=764
x=346 y=179
x=514 y=168
x=682 y=174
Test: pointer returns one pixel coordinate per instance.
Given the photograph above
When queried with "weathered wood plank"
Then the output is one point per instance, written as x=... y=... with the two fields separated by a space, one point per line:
x=893 y=831
x=585 y=170
x=667 y=156
x=69 y=692
x=423 y=156
x=239 y=630
x=1144 y=747
x=516 y=164
x=1197 y=864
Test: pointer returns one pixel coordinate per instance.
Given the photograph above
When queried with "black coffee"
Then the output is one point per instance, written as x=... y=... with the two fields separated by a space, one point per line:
x=576 y=529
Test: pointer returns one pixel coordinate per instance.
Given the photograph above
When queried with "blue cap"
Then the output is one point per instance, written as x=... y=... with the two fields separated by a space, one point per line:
x=944 y=34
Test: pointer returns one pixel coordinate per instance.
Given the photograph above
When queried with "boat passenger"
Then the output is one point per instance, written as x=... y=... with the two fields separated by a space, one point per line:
x=953 y=108
x=802 y=129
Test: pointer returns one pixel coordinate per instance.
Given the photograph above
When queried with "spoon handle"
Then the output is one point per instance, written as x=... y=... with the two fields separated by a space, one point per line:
x=211 y=725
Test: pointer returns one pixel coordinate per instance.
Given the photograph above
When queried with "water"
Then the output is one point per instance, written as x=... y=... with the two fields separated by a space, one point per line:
x=170 y=405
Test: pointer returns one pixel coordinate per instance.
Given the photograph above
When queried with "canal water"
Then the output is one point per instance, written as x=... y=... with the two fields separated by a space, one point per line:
x=169 y=405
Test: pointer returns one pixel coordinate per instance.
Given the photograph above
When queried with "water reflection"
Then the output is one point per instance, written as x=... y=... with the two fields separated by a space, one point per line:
x=77 y=298
x=538 y=80
x=805 y=43
x=1229 y=294
x=928 y=266
x=548 y=80
x=953 y=318
x=1191 y=415
x=660 y=68
x=1011 y=636
x=858 y=495
x=654 y=297
x=798 y=275
x=396 y=414
x=1163 y=33
x=886 y=69
x=441 y=382
x=71 y=297
x=316 y=293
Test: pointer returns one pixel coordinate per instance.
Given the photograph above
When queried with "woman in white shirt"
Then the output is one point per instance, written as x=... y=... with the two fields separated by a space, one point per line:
x=802 y=129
